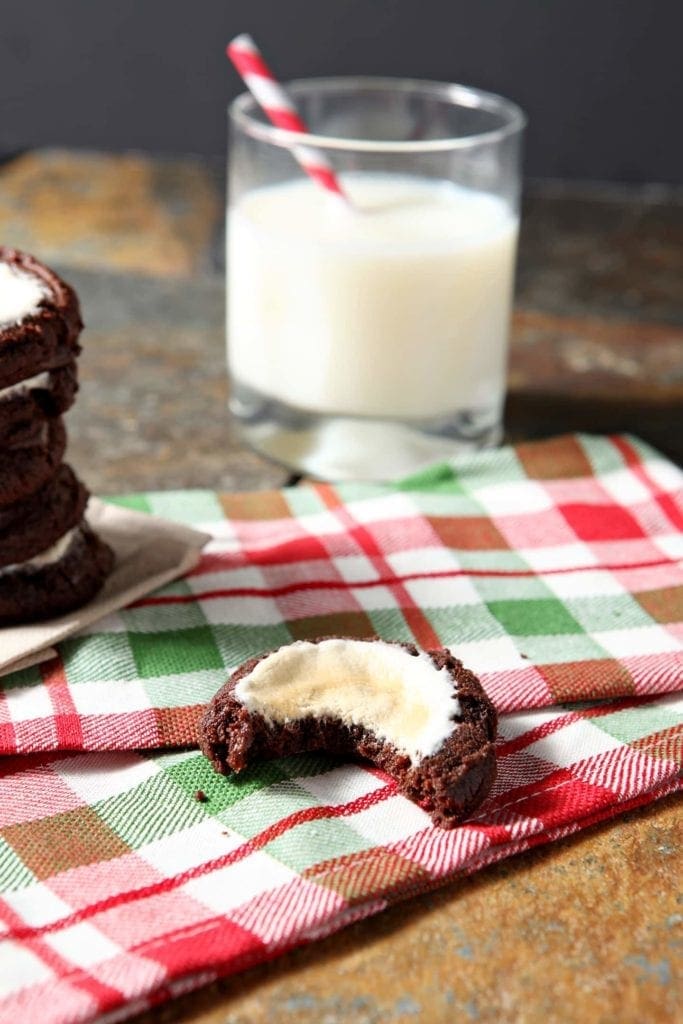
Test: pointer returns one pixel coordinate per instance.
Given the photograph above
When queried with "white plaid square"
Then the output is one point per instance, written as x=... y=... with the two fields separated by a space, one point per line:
x=356 y=568
x=666 y=475
x=223 y=536
x=321 y=524
x=584 y=583
x=37 y=904
x=241 y=611
x=423 y=560
x=232 y=886
x=179 y=851
x=671 y=544
x=384 y=507
x=575 y=742
x=83 y=945
x=558 y=556
x=109 y=774
x=624 y=487
x=342 y=785
x=27 y=970
x=496 y=655
x=514 y=498
x=90 y=698
x=374 y=598
x=629 y=643
x=390 y=821
x=25 y=703
x=442 y=593
x=520 y=722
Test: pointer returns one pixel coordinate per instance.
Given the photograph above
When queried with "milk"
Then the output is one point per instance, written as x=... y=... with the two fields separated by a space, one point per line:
x=398 y=308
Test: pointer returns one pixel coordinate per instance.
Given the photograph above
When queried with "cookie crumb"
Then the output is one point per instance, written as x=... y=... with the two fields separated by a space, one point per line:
x=201 y=796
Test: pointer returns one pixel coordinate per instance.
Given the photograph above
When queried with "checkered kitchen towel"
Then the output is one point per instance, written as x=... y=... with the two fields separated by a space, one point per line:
x=554 y=569
x=119 y=888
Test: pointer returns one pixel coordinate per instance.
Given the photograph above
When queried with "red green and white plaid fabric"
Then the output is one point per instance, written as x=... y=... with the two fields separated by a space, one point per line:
x=118 y=888
x=554 y=569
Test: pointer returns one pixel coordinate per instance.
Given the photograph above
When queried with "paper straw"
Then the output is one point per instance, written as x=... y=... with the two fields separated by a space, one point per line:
x=271 y=96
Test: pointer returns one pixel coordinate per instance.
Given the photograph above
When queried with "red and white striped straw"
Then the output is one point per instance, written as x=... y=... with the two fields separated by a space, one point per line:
x=269 y=94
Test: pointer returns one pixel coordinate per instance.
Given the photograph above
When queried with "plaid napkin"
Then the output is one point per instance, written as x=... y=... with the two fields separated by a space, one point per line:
x=127 y=877
x=555 y=569
x=119 y=889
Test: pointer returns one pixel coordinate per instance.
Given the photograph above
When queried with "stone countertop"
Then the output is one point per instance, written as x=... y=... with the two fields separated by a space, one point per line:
x=588 y=929
x=597 y=333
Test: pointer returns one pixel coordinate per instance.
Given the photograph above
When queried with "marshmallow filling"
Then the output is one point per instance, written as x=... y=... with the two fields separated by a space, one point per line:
x=400 y=697
x=22 y=387
x=47 y=557
x=20 y=294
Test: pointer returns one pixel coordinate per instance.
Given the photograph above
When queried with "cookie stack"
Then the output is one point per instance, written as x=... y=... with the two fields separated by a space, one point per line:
x=50 y=560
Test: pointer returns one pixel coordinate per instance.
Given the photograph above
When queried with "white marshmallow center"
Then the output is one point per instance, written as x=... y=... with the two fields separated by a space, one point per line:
x=46 y=557
x=20 y=294
x=22 y=387
x=402 y=698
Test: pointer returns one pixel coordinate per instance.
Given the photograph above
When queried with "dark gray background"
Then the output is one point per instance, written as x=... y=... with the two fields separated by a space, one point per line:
x=600 y=79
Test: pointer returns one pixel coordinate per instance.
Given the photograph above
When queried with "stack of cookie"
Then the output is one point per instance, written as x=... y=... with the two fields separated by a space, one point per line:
x=50 y=560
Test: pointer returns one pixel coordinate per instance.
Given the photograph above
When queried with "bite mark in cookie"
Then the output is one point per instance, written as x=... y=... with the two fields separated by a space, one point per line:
x=419 y=715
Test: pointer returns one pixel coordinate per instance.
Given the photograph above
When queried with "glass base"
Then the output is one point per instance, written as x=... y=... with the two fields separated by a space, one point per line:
x=335 y=447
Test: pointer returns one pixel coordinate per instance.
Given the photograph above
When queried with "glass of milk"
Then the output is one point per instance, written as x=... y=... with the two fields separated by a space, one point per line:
x=369 y=340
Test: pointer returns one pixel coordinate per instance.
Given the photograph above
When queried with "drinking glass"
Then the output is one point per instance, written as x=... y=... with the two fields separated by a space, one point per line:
x=369 y=339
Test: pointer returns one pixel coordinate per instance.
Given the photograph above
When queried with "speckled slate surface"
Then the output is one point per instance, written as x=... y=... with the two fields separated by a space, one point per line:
x=597 y=339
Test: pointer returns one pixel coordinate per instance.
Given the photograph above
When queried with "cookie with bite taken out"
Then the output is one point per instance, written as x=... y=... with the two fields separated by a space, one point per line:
x=421 y=716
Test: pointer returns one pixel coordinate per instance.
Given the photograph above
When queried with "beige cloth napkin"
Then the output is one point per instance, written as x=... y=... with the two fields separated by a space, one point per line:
x=29 y=661
x=149 y=552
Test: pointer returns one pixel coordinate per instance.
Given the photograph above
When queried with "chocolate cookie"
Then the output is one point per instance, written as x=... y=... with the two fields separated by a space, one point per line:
x=67 y=576
x=418 y=715
x=24 y=470
x=33 y=525
x=24 y=407
x=40 y=318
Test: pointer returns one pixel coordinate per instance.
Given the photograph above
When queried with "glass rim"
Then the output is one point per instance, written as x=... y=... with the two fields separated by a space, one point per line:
x=451 y=92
